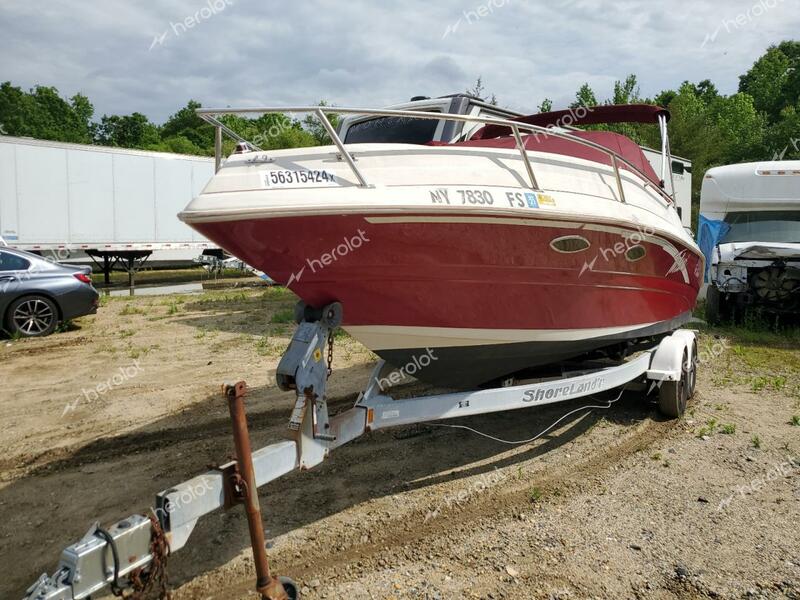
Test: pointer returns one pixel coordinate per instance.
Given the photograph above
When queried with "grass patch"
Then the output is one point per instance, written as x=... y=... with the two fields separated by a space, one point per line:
x=131 y=309
x=266 y=346
x=65 y=326
x=756 y=441
x=756 y=355
x=795 y=421
x=135 y=352
x=282 y=316
x=535 y=494
x=728 y=429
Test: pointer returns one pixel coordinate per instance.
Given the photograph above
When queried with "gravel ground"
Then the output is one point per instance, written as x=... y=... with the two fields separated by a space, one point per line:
x=612 y=504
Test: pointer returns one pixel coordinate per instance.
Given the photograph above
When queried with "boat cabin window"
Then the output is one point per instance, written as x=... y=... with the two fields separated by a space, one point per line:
x=392 y=130
x=570 y=244
x=763 y=226
x=12 y=262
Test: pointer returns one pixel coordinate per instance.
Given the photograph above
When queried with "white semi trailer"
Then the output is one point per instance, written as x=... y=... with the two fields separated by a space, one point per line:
x=117 y=207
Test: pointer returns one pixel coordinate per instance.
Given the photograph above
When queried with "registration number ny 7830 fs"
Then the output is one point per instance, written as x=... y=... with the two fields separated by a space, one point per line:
x=297 y=178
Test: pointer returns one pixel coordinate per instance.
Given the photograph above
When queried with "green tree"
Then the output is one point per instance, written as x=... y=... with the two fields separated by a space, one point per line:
x=782 y=139
x=129 y=131
x=186 y=124
x=774 y=80
x=546 y=106
x=479 y=91
x=626 y=92
x=585 y=97
x=740 y=127
x=315 y=127
x=41 y=113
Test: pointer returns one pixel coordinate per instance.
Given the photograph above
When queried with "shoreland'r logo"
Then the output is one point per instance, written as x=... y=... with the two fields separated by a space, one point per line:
x=562 y=391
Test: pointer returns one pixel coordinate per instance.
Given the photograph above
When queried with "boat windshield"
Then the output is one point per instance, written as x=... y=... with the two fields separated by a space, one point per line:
x=763 y=226
x=392 y=130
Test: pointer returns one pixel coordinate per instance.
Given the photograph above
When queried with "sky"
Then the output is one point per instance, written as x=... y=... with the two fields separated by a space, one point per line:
x=153 y=56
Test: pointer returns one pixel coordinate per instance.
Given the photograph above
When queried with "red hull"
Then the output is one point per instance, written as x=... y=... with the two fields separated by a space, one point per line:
x=463 y=275
x=499 y=298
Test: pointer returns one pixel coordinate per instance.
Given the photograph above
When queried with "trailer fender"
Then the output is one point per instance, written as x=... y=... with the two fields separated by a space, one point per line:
x=667 y=361
x=691 y=342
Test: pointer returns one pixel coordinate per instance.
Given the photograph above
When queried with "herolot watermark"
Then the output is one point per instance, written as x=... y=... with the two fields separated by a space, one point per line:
x=18 y=277
x=483 y=483
x=793 y=142
x=575 y=114
x=414 y=366
x=212 y=7
x=185 y=498
x=272 y=131
x=741 y=20
x=102 y=388
x=621 y=248
x=754 y=486
x=348 y=245
x=481 y=11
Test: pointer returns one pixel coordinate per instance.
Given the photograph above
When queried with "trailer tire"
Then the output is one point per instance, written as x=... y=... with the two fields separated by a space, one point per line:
x=692 y=371
x=673 y=395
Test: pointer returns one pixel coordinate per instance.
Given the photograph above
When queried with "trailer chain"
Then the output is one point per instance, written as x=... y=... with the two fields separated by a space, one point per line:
x=330 y=354
x=159 y=549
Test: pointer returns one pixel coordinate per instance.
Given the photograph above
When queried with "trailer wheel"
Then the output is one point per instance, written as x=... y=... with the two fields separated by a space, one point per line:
x=290 y=586
x=691 y=375
x=672 y=395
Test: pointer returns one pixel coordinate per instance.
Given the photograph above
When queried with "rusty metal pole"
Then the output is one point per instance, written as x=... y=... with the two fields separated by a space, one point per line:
x=269 y=587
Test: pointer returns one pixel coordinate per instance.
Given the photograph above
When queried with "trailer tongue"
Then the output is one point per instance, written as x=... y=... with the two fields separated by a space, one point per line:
x=132 y=553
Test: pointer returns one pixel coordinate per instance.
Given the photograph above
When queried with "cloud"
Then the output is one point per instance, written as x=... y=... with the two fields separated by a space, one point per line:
x=362 y=53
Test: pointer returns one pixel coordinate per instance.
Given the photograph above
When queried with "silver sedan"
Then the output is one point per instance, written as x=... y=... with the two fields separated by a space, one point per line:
x=36 y=294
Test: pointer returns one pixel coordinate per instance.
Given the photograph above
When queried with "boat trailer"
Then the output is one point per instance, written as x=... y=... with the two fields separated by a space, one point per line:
x=131 y=554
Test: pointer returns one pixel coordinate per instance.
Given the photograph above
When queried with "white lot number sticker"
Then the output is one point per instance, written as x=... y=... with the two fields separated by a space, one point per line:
x=287 y=178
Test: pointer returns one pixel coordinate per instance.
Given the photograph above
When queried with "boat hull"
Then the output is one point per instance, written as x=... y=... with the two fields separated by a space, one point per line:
x=481 y=296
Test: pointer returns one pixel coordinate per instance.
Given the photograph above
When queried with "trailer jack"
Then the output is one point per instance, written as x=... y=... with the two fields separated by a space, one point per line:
x=243 y=489
x=89 y=566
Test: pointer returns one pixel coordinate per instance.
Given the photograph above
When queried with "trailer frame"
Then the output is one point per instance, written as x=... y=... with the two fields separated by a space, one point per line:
x=90 y=565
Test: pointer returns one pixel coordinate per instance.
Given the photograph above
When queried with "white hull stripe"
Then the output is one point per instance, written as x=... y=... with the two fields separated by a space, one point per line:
x=391 y=337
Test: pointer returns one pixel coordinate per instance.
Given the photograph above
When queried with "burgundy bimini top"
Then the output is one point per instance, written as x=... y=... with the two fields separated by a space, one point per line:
x=499 y=136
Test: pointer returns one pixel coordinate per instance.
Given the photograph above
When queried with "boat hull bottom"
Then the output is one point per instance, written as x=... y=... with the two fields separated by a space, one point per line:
x=473 y=365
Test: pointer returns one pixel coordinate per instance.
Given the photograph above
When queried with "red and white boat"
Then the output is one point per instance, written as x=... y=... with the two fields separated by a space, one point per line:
x=481 y=255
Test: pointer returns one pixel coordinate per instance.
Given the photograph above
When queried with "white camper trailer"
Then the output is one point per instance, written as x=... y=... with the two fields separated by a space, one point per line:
x=756 y=260
x=681 y=179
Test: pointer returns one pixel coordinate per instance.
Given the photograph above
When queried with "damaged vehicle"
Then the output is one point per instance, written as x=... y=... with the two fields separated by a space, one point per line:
x=750 y=232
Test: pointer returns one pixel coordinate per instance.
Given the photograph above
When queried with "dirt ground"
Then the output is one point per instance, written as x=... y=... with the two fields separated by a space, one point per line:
x=612 y=504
